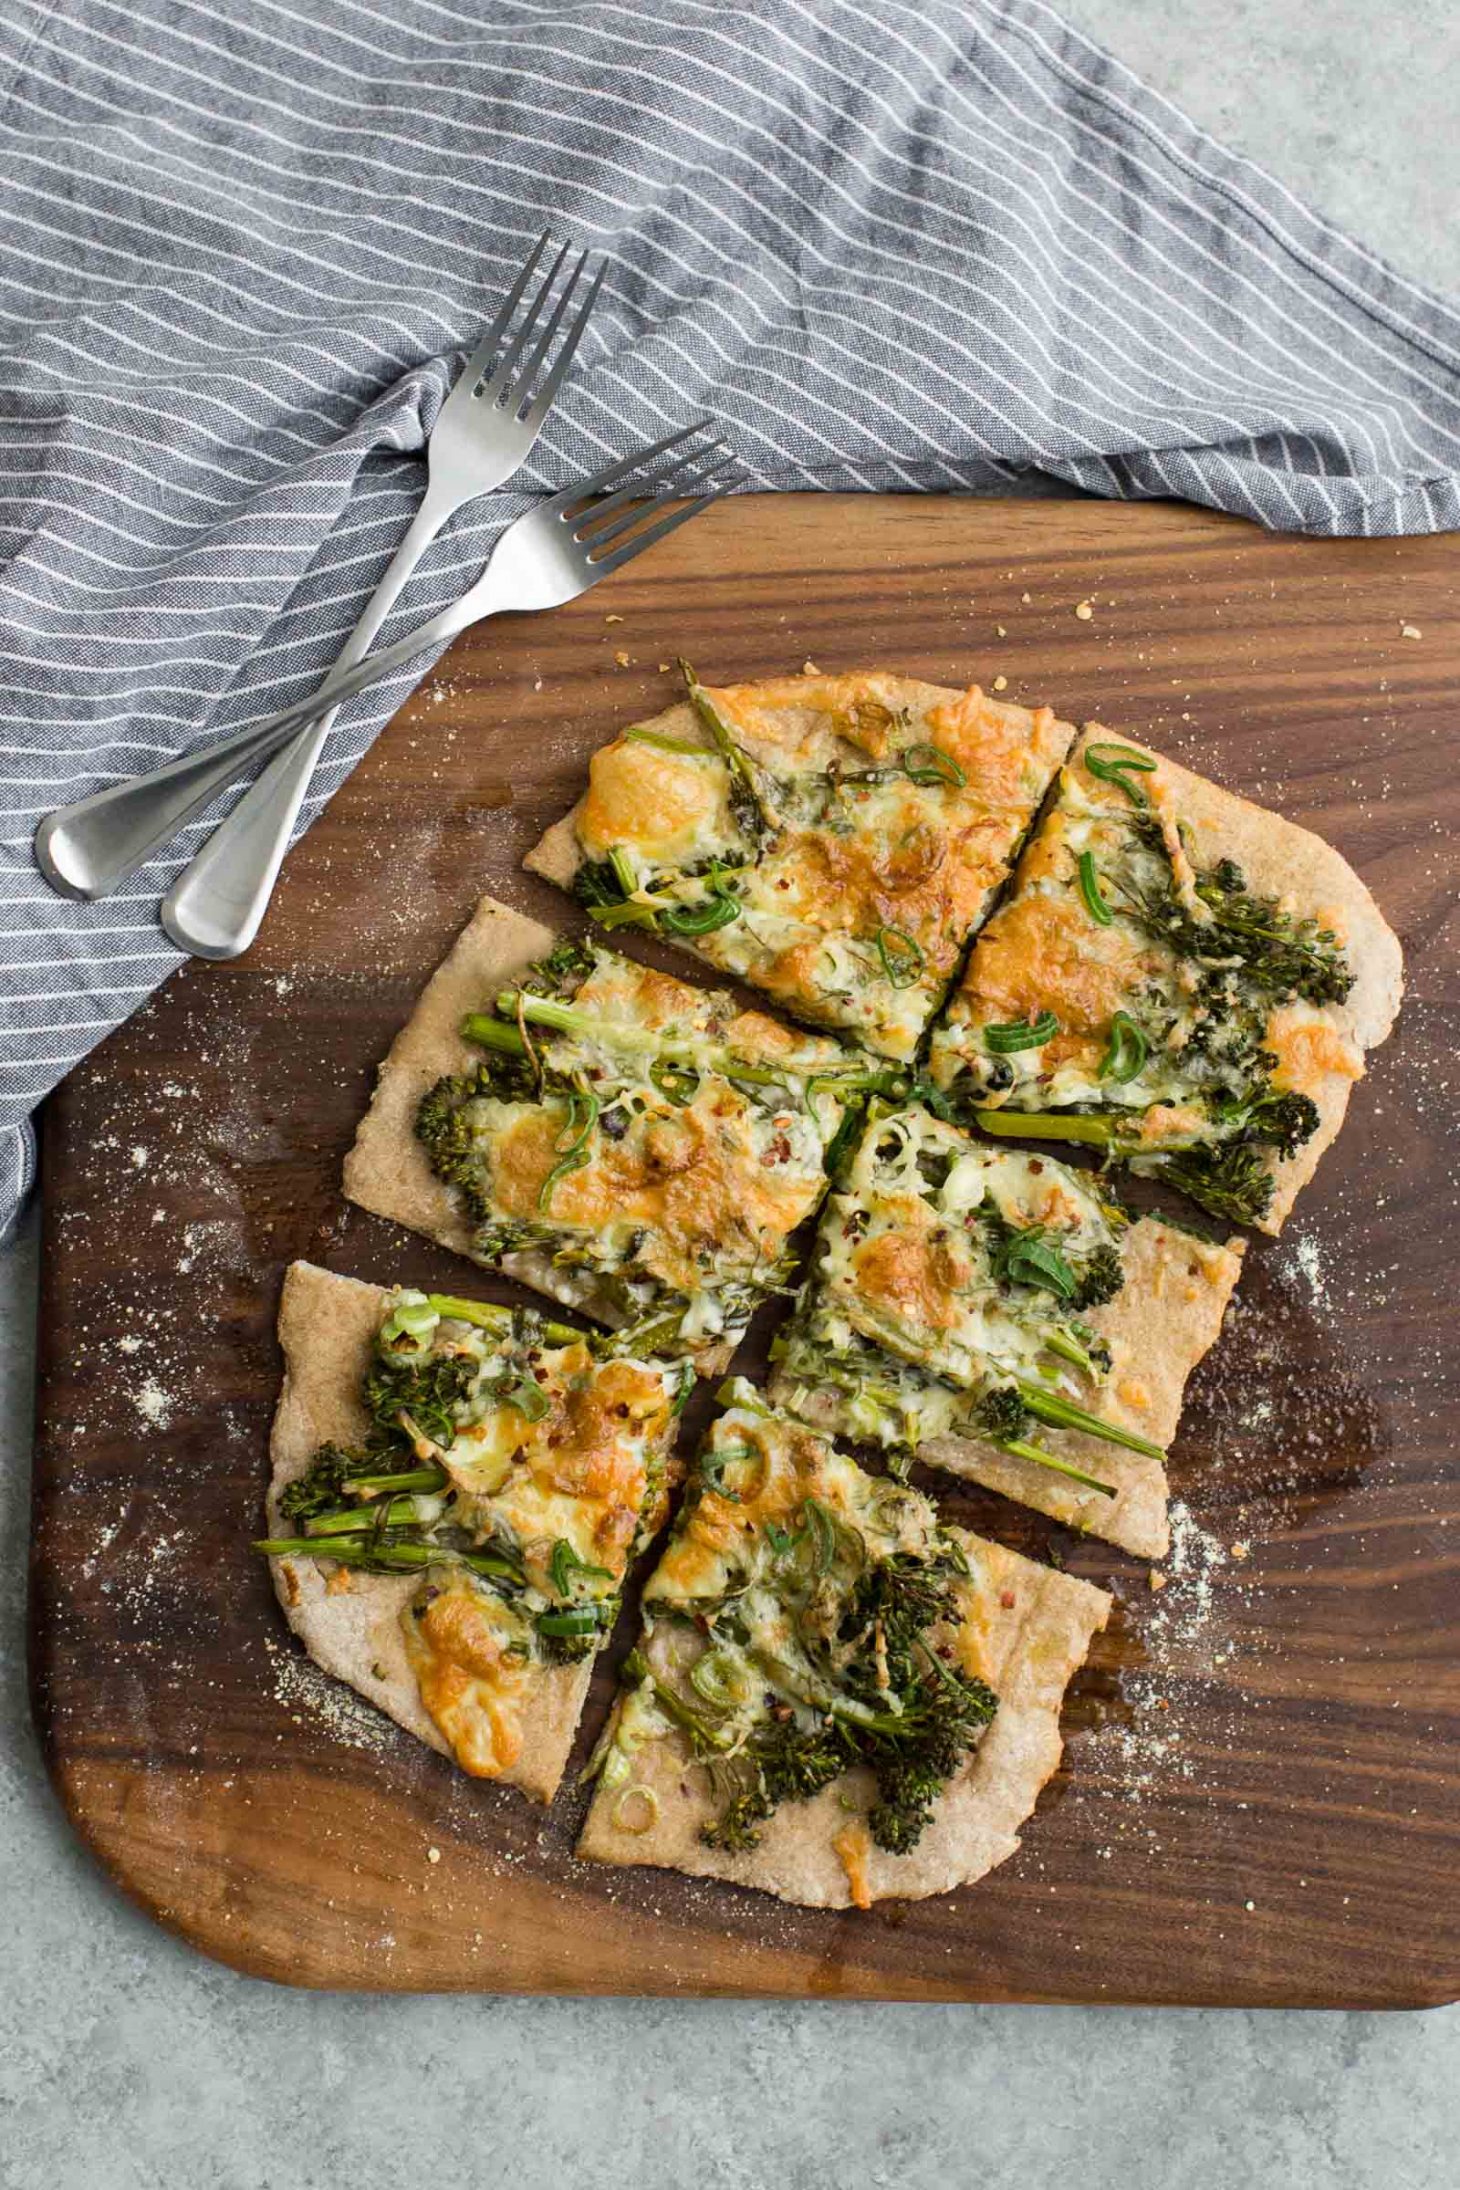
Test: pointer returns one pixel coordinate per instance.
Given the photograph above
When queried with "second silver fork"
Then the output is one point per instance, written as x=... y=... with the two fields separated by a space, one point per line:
x=554 y=551
x=483 y=433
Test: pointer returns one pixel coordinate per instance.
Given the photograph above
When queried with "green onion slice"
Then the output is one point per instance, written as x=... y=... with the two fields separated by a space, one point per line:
x=1127 y=1052
x=721 y=1677
x=565 y=1563
x=710 y=913
x=677 y=1083
x=1095 y=904
x=901 y=956
x=645 y=1816
x=575 y=1619
x=1015 y=1034
x=930 y=764
x=1112 y=764
x=528 y=1397
x=574 y=1144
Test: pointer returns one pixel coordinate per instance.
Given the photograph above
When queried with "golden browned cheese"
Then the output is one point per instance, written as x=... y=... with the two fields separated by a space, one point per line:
x=590 y=1447
x=1164 y=1123
x=1309 y=1050
x=854 y=1846
x=991 y=1607
x=664 y=804
x=791 y=1465
x=914 y=1277
x=472 y=1689
x=925 y=874
x=796 y=719
x=1043 y=954
x=995 y=745
x=690 y=1179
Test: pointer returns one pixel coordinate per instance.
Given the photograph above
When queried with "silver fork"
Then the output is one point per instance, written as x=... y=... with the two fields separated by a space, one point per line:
x=554 y=552
x=483 y=433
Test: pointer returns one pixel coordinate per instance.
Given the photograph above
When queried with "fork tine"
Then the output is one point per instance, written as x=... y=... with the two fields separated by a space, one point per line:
x=522 y=387
x=540 y=402
x=626 y=466
x=643 y=540
x=635 y=489
x=674 y=488
x=501 y=379
x=482 y=356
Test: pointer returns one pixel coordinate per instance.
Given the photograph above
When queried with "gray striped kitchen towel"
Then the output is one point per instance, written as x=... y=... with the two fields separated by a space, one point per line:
x=893 y=244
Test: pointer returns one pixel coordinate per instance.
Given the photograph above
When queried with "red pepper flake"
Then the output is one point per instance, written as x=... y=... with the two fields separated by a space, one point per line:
x=1007 y=1599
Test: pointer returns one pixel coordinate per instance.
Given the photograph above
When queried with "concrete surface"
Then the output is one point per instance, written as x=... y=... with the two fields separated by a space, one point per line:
x=127 y=2063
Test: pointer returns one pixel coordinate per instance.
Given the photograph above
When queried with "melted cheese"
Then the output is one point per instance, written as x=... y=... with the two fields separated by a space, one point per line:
x=1006 y=752
x=912 y=1276
x=854 y=1846
x=693 y=1179
x=1044 y=953
x=1310 y=1050
x=906 y=1265
x=459 y=1648
x=892 y=859
x=580 y=1472
x=668 y=807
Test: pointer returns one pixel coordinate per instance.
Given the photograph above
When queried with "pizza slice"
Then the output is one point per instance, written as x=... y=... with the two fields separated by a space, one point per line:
x=997 y=1313
x=627 y=1144
x=835 y=1698
x=833 y=840
x=457 y=1492
x=1179 y=980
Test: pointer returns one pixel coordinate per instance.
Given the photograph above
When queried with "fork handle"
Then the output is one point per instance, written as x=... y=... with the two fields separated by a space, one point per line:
x=86 y=849
x=216 y=904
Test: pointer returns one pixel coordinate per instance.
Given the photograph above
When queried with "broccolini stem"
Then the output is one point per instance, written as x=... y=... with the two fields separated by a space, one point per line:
x=373 y=1486
x=1062 y=1414
x=1021 y=1449
x=546 y=1011
x=389 y=1558
x=1051 y=1125
x=401 y=1512
x=1069 y=1349
x=488 y=1316
x=489 y=1033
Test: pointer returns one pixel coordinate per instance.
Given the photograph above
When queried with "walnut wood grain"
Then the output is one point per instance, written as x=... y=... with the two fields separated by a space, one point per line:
x=1311 y=1713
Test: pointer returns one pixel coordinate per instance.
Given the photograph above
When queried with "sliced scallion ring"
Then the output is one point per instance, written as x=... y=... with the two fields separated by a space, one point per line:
x=720 y=1676
x=901 y=955
x=928 y=764
x=710 y=913
x=1113 y=763
x=575 y=1619
x=647 y=1809
x=1126 y=1053
x=1003 y=1040
x=1095 y=904
x=573 y=1146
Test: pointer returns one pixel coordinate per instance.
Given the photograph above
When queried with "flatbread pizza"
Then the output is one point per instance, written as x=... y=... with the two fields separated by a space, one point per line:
x=1178 y=980
x=997 y=1313
x=835 y=1698
x=832 y=840
x=629 y=1145
x=457 y=1491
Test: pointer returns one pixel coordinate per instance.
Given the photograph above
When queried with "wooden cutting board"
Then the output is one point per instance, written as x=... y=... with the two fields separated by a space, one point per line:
x=1260 y=1802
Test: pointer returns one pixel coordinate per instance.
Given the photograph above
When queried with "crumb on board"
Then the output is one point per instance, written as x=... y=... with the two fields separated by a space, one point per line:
x=1084 y=611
